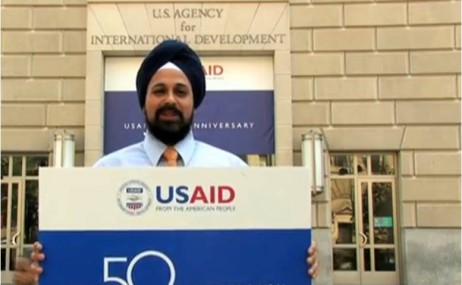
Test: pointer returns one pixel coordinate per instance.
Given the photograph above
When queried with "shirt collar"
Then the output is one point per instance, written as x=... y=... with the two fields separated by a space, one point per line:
x=155 y=148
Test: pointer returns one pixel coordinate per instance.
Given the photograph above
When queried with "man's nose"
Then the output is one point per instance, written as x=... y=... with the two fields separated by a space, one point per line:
x=171 y=96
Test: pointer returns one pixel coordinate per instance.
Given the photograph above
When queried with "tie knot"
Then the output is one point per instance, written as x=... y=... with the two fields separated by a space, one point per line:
x=171 y=156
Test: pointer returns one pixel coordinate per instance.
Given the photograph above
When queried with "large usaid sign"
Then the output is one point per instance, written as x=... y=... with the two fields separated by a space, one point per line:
x=237 y=113
x=183 y=226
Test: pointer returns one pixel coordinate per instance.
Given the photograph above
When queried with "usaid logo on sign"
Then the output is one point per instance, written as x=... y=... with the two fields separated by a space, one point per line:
x=196 y=198
x=134 y=197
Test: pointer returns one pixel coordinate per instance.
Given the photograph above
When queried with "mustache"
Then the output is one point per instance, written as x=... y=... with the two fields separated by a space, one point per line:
x=169 y=108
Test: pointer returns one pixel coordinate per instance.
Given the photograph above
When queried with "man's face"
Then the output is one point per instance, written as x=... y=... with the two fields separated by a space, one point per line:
x=169 y=106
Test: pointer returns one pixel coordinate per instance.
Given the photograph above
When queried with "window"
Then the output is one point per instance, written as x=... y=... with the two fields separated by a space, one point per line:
x=19 y=212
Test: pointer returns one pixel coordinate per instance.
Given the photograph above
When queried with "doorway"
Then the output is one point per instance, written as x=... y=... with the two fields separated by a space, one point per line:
x=364 y=227
x=19 y=208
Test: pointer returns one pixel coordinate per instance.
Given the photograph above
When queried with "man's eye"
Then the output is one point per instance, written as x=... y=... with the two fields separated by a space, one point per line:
x=158 y=91
x=181 y=92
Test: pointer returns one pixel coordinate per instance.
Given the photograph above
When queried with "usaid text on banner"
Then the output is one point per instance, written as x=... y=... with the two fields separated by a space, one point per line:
x=135 y=197
x=239 y=104
x=190 y=25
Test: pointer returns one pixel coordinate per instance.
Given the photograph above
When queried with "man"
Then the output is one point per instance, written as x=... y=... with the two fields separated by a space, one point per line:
x=171 y=85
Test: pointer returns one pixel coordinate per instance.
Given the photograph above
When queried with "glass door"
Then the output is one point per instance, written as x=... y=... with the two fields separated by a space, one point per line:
x=344 y=232
x=377 y=232
x=364 y=226
x=12 y=209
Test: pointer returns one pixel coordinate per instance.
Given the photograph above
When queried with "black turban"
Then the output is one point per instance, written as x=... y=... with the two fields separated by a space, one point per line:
x=182 y=56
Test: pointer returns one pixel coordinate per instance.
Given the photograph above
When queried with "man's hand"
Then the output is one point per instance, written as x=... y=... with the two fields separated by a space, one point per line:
x=23 y=274
x=28 y=271
x=312 y=260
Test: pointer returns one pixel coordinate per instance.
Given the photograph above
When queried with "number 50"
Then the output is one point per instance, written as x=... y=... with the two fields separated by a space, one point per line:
x=132 y=264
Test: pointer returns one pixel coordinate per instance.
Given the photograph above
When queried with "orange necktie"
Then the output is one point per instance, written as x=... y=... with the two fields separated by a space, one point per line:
x=171 y=156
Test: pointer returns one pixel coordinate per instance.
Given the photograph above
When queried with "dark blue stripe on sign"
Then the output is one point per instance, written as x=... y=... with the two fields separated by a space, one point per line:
x=241 y=122
x=218 y=257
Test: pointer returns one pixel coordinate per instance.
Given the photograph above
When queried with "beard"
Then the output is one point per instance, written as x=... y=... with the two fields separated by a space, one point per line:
x=168 y=132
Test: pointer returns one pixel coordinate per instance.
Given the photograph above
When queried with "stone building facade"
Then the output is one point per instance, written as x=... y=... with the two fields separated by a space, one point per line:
x=379 y=79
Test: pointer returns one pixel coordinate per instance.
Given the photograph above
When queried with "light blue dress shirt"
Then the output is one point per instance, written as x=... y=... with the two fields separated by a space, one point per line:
x=149 y=152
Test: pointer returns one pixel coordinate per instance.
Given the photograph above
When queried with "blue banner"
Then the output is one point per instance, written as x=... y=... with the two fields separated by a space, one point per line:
x=241 y=122
x=220 y=257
